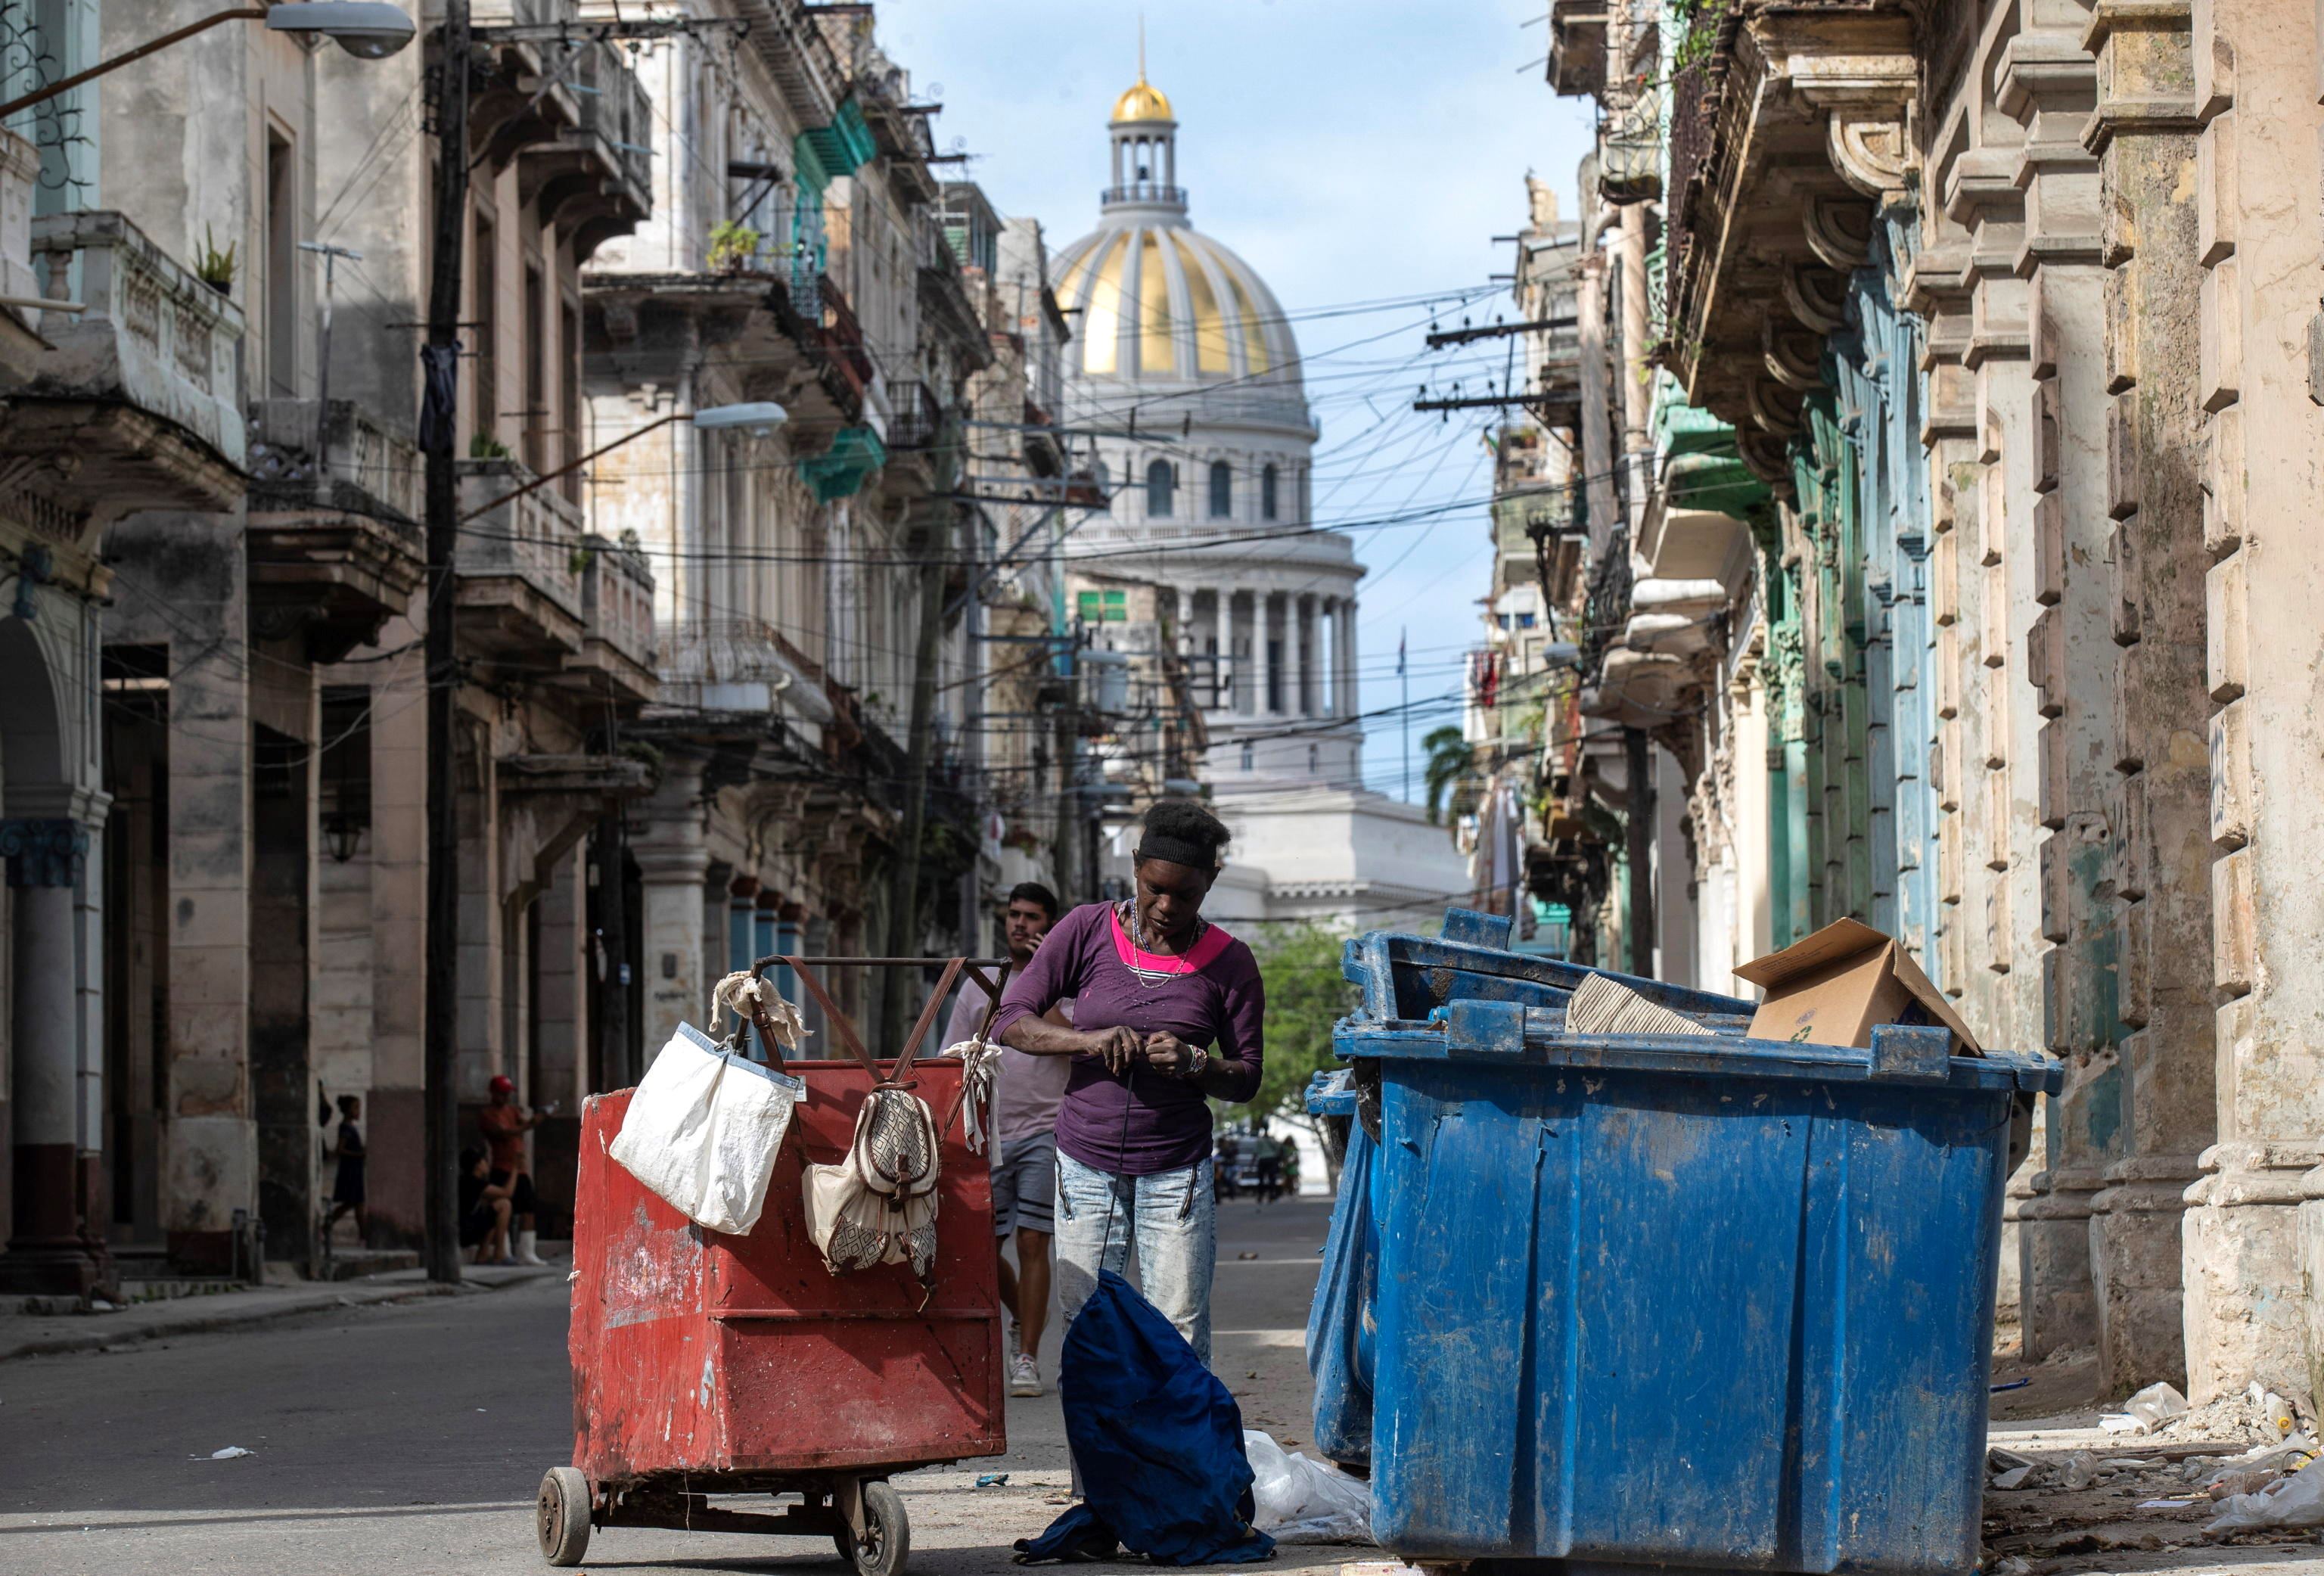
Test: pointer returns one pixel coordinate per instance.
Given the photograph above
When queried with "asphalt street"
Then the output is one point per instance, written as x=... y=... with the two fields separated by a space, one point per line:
x=410 y=1439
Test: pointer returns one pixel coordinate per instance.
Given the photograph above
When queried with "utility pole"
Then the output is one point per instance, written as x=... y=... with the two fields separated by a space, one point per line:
x=440 y=362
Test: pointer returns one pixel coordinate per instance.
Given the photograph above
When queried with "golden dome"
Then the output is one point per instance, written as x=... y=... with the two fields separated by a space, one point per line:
x=1144 y=101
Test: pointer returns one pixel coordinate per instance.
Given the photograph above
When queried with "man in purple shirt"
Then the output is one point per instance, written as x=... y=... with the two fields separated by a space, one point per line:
x=1166 y=1017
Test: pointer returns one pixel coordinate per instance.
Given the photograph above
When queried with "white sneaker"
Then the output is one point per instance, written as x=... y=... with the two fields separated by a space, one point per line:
x=526 y=1252
x=1024 y=1376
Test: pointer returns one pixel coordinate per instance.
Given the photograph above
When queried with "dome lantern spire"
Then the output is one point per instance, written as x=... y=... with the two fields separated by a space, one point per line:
x=1145 y=135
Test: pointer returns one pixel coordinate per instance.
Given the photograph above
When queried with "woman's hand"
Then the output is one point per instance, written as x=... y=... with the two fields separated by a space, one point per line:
x=1117 y=1047
x=1169 y=1056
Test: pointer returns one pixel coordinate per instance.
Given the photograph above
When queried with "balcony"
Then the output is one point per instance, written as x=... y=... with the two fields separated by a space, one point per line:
x=741 y=665
x=572 y=117
x=1630 y=151
x=617 y=615
x=1577 y=47
x=334 y=532
x=518 y=566
x=594 y=180
x=136 y=407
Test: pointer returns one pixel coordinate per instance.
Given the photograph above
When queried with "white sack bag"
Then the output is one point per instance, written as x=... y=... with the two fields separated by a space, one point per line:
x=703 y=1130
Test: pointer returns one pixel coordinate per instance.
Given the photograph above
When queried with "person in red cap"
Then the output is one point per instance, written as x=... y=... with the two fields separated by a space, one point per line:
x=505 y=1124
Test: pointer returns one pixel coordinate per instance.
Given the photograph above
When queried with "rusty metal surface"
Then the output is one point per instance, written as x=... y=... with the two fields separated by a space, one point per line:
x=694 y=1352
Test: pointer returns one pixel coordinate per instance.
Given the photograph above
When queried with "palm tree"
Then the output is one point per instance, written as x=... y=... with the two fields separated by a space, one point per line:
x=1452 y=769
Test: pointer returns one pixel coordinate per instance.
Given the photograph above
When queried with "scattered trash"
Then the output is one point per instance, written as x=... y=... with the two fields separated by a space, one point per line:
x=228 y=1453
x=2081 y=1472
x=1304 y=1501
x=1998 y=1460
x=2297 y=1500
x=1246 y=1253
x=993 y=1480
x=2014 y=1565
x=2007 y=1385
x=2147 y=1410
x=2168 y=1504
x=2275 y=1412
x=2014 y=1478
x=2233 y=1485
x=2131 y=1464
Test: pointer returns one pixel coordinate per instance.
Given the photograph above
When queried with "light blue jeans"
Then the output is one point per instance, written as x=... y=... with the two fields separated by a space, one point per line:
x=1172 y=1215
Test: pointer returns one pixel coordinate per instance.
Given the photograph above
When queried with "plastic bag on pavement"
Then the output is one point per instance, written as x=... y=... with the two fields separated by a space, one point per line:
x=1304 y=1501
x=703 y=1129
x=2295 y=1502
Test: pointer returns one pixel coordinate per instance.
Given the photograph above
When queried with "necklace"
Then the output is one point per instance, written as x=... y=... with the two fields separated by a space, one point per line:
x=1139 y=949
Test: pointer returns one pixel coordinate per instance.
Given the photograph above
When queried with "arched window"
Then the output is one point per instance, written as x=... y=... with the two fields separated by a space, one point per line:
x=1221 y=490
x=1266 y=503
x=1160 y=483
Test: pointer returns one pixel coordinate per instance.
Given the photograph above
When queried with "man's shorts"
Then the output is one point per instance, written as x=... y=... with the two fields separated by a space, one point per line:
x=1025 y=1187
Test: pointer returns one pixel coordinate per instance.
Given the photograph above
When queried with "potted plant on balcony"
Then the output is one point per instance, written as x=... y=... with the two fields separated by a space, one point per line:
x=733 y=243
x=216 y=268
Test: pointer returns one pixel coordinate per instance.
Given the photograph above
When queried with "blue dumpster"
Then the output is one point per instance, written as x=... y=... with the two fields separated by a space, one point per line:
x=1340 y=1322
x=1653 y=1300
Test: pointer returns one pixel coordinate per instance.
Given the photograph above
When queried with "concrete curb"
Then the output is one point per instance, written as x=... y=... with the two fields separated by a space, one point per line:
x=160 y=1321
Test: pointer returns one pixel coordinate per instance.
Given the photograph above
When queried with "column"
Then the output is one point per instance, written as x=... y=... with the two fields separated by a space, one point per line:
x=2255 y=1226
x=1230 y=669
x=46 y=859
x=2103 y=1210
x=1300 y=636
x=1351 y=696
x=1262 y=651
x=211 y=1170
x=394 y=1170
x=673 y=863
x=788 y=935
x=742 y=922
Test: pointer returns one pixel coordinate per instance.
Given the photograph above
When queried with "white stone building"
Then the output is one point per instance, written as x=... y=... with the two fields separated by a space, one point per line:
x=1186 y=375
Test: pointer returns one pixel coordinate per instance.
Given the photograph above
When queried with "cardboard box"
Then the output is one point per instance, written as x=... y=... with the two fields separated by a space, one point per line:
x=1834 y=987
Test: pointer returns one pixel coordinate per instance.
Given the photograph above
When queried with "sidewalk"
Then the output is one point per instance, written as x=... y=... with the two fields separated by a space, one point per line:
x=35 y=1335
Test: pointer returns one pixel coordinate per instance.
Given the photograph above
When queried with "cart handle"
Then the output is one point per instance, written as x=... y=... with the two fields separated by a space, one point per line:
x=846 y=1025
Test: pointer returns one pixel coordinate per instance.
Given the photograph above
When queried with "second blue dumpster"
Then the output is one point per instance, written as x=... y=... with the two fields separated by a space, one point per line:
x=1673 y=1300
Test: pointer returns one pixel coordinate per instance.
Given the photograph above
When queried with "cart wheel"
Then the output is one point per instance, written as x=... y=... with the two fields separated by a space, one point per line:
x=888 y=1536
x=561 y=1515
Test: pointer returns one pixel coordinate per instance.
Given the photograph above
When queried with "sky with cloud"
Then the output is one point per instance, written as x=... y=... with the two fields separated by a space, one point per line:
x=1362 y=156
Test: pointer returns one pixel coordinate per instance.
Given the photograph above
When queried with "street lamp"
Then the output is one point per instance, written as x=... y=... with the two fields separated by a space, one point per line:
x=762 y=415
x=369 y=30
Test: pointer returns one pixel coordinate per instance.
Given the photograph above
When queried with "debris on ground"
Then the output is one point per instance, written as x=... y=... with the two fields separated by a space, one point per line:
x=2146 y=1411
x=227 y=1453
x=1304 y=1501
x=2147 y=1474
x=993 y=1480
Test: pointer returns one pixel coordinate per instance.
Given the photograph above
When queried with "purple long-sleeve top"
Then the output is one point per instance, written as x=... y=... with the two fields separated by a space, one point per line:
x=1212 y=999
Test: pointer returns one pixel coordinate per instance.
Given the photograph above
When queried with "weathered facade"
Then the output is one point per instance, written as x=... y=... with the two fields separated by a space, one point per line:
x=711 y=684
x=1996 y=304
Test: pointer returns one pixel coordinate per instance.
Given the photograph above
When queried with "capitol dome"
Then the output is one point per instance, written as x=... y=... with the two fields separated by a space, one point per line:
x=1156 y=301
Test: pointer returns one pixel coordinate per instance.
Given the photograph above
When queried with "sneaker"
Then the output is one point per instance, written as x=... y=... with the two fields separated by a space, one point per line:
x=1024 y=1376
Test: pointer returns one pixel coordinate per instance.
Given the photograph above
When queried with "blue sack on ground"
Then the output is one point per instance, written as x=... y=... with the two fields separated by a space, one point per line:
x=1158 y=1441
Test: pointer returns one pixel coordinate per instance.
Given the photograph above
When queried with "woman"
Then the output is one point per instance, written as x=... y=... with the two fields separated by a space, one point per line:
x=1166 y=1018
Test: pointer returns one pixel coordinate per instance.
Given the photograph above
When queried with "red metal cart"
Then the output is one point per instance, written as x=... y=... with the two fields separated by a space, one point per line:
x=708 y=1364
